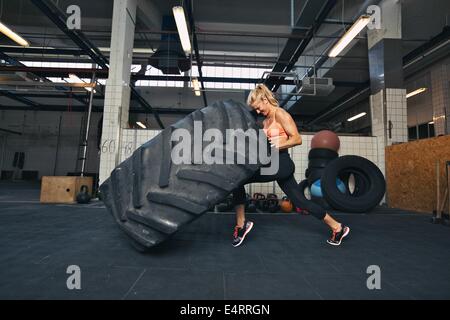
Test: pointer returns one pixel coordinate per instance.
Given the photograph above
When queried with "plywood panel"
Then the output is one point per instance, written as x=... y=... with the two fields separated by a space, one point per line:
x=62 y=189
x=411 y=173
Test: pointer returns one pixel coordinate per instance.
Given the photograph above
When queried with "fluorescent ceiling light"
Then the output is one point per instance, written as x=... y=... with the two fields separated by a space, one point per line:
x=362 y=114
x=13 y=36
x=431 y=122
x=180 y=20
x=196 y=86
x=73 y=78
x=140 y=124
x=349 y=35
x=417 y=91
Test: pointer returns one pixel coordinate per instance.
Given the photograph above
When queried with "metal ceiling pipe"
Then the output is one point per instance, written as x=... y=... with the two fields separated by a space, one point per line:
x=88 y=123
x=197 y=51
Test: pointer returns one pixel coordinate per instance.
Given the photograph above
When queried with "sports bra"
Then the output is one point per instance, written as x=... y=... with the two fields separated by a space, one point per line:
x=275 y=129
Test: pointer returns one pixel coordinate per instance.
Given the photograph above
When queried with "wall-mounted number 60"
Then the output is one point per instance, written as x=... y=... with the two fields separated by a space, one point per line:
x=108 y=146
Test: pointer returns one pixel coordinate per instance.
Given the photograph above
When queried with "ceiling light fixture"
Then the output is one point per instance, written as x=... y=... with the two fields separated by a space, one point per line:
x=349 y=35
x=13 y=36
x=180 y=20
x=362 y=114
x=417 y=91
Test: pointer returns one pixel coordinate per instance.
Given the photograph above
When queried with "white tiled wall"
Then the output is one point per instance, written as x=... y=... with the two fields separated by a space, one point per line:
x=378 y=126
x=397 y=114
x=117 y=92
x=350 y=145
x=133 y=139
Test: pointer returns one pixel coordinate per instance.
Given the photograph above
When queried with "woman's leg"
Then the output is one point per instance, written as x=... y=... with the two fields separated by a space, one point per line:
x=239 y=195
x=290 y=188
x=239 y=205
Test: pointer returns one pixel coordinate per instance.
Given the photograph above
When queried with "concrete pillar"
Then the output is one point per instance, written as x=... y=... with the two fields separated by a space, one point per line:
x=117 y=95
x=440 y=99
x=388 y=96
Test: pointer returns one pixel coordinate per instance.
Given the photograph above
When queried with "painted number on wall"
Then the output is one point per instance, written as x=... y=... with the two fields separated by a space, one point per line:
x=109 y=146
x=128 y=148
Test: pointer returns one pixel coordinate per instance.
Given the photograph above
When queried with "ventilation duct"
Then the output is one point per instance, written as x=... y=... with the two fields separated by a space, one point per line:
x=170 y=57
x=316 y=86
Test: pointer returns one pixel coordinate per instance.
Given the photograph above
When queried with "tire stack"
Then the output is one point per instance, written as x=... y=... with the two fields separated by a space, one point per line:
x=348 y=183
x=318 y=159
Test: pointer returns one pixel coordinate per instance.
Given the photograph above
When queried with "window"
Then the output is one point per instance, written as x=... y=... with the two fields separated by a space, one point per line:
x=412 y=133
x=431 y=129
x=421 y=131
x=234 y=72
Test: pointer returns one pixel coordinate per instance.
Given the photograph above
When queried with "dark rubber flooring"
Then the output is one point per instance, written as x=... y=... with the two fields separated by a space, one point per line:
x=284 y=257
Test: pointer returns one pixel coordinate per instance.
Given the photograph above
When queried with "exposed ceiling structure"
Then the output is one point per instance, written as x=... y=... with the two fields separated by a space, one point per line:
x=259 y=34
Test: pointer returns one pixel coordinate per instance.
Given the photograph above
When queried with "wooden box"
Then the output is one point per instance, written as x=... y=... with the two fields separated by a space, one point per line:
x=63 y=189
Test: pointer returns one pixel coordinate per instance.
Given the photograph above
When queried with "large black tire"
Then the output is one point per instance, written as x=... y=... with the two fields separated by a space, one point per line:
x=361 y=182
x=314 y=175
x=318 y=163
x=362 y=202
x=302 y=186
x=307 y=172
x=321 y=153
x=152 y=198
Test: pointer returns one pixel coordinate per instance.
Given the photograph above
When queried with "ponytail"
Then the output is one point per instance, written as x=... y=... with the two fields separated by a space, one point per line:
x=260 y=92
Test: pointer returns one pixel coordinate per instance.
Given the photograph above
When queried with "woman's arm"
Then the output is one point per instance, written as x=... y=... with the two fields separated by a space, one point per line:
x=294 y=138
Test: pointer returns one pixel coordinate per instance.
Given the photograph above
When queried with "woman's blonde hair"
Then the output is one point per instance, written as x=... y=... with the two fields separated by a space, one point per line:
x=260 y=92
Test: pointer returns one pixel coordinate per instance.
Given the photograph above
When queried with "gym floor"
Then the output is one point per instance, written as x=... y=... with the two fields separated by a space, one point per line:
x=284 y=257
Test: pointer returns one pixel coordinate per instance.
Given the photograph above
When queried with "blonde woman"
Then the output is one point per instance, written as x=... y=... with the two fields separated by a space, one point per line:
x=282 y=133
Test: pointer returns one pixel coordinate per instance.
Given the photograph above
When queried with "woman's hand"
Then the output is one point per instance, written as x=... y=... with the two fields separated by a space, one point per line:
x=278 y=141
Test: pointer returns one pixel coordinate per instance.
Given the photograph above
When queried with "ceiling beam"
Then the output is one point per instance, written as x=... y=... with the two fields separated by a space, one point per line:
x=23 y=68
x=103 y=74
x=77 y=36
x=43 y=51
x=311 y=17
x=59 y=19
x=63 y=108
x=20 y=99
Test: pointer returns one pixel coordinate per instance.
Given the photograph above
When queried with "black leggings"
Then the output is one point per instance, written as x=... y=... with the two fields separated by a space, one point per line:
x=286 y=181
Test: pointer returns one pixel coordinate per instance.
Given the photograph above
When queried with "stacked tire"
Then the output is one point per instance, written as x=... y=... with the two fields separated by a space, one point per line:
x=369 y=184
x=318 y=160
x=363 y=184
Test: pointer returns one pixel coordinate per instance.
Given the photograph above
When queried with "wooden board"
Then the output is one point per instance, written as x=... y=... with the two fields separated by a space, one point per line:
x=411 y=173
x=63 y=189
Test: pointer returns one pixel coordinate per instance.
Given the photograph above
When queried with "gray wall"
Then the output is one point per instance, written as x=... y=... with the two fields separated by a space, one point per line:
x=39 y=141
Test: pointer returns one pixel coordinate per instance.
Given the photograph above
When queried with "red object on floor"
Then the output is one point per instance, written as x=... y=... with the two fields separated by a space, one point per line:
x=301 y=211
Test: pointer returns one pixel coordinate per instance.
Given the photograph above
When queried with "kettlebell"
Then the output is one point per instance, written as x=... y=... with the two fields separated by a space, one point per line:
x=272 y=203
x=260 y=200
x=83 y=196
x=286 y=205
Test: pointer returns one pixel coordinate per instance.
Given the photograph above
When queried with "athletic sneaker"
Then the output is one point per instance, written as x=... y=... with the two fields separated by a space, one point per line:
x=336 y=237
x=240 y=233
